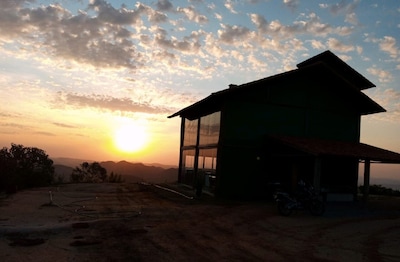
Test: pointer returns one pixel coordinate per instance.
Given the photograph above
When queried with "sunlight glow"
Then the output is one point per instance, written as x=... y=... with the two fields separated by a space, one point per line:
x=130 y=137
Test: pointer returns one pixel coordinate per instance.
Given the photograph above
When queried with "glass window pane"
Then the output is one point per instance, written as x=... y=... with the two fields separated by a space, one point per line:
x=188 y=166
x=190 y=134
x=209 y=129
x=208 y=160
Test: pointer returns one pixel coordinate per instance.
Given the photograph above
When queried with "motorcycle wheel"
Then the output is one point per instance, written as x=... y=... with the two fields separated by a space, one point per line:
x=283 y=209
x=317 y=207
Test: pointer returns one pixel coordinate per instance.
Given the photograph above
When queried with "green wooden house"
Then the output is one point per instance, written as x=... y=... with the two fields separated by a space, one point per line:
x=301 y=124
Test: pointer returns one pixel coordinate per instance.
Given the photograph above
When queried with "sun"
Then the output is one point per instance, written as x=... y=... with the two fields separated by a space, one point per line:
x=130 y=137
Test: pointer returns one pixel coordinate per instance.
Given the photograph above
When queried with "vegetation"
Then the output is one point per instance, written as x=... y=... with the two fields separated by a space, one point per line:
x=380 y=190
x=24 y=167
x=93 y=173
x=89 y=173
x=115 y=178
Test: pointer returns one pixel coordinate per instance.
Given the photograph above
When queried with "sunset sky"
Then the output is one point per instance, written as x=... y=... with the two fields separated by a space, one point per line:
x=77 y=76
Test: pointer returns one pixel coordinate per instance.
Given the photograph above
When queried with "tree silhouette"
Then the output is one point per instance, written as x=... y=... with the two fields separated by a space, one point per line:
x=89 y=173
x=24 y=167
x=114 y=178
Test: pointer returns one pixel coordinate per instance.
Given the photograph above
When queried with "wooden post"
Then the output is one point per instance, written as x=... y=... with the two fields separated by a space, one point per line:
x=196 y=155
x=180 y=171
x=367 y=171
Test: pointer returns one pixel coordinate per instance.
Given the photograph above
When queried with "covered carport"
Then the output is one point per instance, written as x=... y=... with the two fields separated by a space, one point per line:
x=328 y=149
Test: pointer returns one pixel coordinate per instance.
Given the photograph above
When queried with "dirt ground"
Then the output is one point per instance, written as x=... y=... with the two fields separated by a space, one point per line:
x=136 y=222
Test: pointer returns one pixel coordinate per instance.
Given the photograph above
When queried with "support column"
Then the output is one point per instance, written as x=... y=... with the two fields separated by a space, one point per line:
x=317 y=174
x=367 y=171
x=180 y=171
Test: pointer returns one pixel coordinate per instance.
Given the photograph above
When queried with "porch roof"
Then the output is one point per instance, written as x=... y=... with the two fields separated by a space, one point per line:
x=321 y=147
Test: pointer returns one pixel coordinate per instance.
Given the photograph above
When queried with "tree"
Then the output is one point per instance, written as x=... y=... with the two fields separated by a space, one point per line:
x=25 y=167
x=89 y=173
x=115 y=178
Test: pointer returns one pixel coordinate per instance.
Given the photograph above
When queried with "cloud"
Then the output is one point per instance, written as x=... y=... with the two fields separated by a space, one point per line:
x=336 y=45
x=218 y=16
x=230 y=6
x=192 y=15
x=43 y=133
x=189 y=44
x=388 y=45
x=383 y=76
x=141 y=37
x=388 y=99
x=100 y=40
x=317 y=44
x=105 y=102
x=292 y=4
x=164 y=5
x=312 y=25
x=352 y=18
x=344 y=6
x=63 y=125
x=231 y=34
x=359 y=49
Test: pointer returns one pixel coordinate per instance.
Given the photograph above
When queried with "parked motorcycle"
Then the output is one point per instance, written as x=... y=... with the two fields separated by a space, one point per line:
x=305 y=198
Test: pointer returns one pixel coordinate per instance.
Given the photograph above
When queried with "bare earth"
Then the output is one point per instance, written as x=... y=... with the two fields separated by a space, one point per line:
x=136 y=222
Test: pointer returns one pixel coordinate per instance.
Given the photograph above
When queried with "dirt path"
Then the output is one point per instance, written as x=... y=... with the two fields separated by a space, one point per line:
x=131 y=222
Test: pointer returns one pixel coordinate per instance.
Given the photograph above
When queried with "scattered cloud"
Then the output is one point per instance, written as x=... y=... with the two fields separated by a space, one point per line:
x=230 y=6
x=317 y=44
x=292 y=4
x=336 y=45
x=105 y=102
x=233 y=34
x=352 y=18
x=311 y=25
x=389 y=99
x=192 y=15
x=44 y=133
x=164 y=5
x=344 y=6
x=63 y=125
x=388 y=45
x=383 y=76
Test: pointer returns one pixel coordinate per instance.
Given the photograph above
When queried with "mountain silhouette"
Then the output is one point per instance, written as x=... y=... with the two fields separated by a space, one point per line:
x=141 y=172
x=130 y=172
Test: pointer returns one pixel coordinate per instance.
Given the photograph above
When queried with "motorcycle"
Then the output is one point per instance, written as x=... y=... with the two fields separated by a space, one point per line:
x=305 y=198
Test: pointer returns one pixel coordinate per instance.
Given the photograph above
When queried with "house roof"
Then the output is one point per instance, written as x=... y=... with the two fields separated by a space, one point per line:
x=321 y=147
x=339 y=66
x=325 y=67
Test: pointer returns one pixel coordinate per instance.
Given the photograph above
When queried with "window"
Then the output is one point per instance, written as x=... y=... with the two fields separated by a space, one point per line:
x=188 y=166
x=190 y=135
x=207 y=164
x=209 y=129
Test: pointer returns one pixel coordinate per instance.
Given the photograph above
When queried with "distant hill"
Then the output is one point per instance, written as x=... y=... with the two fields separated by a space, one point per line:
x=71 y=162
x=141 y=172
x=74 y=162
x=130 y=172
